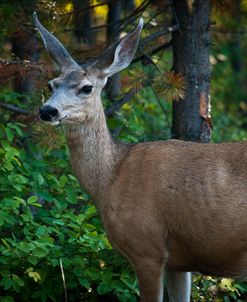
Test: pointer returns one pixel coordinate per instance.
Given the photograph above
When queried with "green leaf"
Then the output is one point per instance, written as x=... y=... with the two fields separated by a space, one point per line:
x=32 y=259
x=10 y=220
x=18 y=187
x=129 y=282
x=41 y=231
x=40 y=252
x=90 y=212
x=24 y=246
x=241 y=286
x=103 y=289
x=63 y=180
x=57 y=221
x=45 y=195
x=93 y=273
x=35 y=275
x=16 y=127
x=32 y=199
x=84 y=282
x=107 y=277
x=10 y=134
x=38 y=177
x=17 y=280
x=8 y=166
x=89 y=227
x=26 y=217
x=78 y=271
x=6 y=282
x=37 y=205
x=71 y=196
x=5 y=242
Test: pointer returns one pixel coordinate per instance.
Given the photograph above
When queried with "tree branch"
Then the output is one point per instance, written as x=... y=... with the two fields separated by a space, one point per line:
x=22 y=63
x=118 y=104
x=149 y=59
x=158 y=34
x=14 y=108
x=125 y=21
x=86 y=7
x=125 y=99
x=152 y=52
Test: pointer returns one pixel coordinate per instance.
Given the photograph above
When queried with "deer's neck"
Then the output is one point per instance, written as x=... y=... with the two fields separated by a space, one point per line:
x=94 y=155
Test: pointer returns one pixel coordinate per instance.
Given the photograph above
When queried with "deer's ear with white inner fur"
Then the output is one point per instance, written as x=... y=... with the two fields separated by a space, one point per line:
x=125 y=51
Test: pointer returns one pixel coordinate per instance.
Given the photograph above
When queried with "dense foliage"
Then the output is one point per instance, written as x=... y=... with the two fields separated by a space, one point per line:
x=49 y=225
x=47 y=221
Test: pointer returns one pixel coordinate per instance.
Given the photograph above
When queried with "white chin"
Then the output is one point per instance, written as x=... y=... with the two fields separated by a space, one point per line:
x=54 y=123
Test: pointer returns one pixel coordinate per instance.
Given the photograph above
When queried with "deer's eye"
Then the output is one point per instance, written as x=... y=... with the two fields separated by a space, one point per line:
x=87 y=89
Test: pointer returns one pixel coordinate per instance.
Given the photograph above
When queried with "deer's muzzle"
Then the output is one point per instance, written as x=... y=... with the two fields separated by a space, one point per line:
x=48 y=113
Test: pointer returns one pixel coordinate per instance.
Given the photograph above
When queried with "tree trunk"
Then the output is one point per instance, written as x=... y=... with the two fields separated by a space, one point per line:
x=129 y=6
x=114 y=13
x=83 y=22
x=191 y=46
x=25 y=47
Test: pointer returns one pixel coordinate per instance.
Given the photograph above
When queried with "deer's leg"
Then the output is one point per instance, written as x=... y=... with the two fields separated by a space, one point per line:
x=178 y=286
x=150 y=278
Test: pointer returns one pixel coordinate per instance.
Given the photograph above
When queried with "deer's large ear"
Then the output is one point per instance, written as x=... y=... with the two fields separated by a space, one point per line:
x=55 y=48
x=124 y=52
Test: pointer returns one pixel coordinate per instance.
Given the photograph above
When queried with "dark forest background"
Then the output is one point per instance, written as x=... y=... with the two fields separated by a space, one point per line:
x=188 y=81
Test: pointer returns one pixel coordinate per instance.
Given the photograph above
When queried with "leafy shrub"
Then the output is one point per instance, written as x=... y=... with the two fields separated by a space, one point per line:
x=47 y=220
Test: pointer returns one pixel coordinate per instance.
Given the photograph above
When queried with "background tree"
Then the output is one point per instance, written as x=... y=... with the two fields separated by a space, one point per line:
x=113 y=21
x=191 y=49
x=83 y=22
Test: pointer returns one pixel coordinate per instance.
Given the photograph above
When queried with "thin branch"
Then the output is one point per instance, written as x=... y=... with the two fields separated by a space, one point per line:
x=150 y=38
x=86 y=7
x=153 y=52
x=160 y=12
x=14 y=108
x=23 y=63
x=64 y=282
x=118 y=104
x=148 y=57
x=229 y=32
x=158 y=34
x=136 y=12
x=125 y=99
x=175 y=15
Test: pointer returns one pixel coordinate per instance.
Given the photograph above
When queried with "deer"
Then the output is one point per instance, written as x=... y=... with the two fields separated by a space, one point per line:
x=169 y=207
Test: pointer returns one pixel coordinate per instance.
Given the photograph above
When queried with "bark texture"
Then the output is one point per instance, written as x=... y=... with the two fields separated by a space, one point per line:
x=191 y=46
x=114 y=14
x=25 y=47
x=83 y=22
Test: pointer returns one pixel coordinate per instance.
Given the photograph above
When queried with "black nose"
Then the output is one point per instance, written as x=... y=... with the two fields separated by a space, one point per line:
x=46 y=113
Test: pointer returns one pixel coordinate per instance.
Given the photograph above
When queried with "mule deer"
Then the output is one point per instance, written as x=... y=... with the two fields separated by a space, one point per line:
x=170 y=206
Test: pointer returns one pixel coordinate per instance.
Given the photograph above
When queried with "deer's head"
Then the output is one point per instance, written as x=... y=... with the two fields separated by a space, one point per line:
x=76 y=92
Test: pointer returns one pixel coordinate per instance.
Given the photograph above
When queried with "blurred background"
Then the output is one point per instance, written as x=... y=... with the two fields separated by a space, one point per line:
x=187 y=81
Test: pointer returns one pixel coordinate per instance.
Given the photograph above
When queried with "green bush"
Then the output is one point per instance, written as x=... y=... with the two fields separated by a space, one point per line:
x=46 y=220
